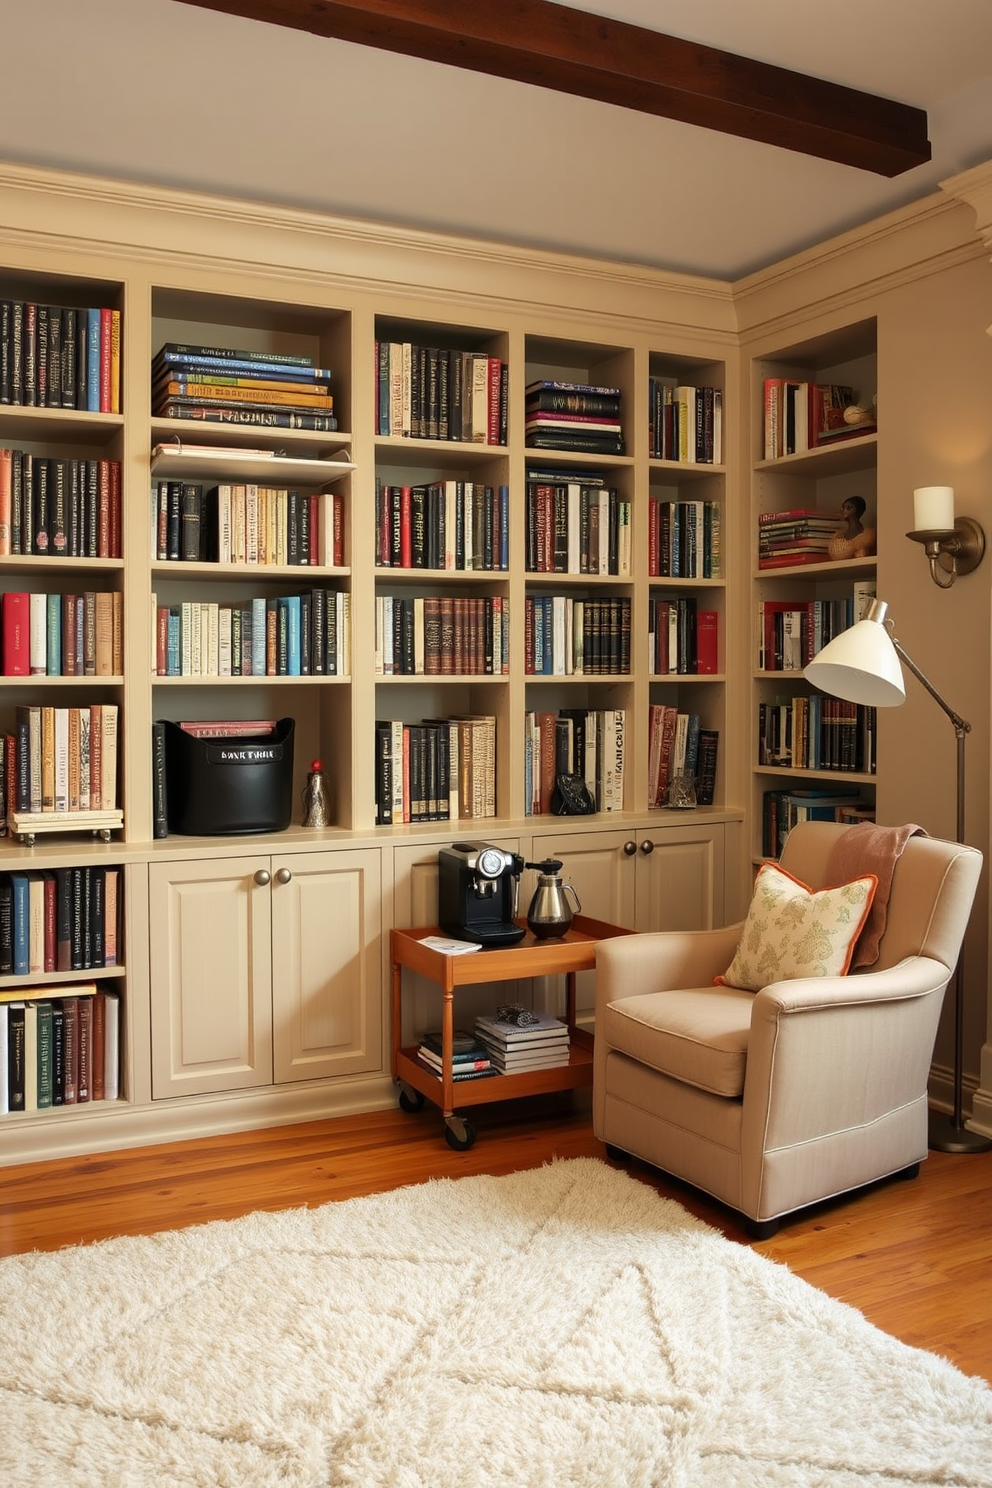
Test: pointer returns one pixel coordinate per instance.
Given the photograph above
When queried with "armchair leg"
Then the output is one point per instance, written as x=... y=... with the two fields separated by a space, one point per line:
x=908 y=1174
x=616 y=1154
x=761 y=1229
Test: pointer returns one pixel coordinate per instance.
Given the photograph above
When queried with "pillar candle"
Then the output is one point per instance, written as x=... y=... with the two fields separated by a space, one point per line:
x=933 y=508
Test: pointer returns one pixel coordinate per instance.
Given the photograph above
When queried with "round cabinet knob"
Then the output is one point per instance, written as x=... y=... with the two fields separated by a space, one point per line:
x=647 y=846
x=630 y=849
x=262 y=877
x=283 y=876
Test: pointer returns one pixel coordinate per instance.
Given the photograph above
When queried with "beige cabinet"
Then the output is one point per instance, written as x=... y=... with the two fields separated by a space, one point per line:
x=264 y=969
x=656 y=877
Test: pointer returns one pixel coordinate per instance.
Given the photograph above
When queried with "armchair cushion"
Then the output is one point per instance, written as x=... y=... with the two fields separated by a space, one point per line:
x=698 y=1035
x=793 y=931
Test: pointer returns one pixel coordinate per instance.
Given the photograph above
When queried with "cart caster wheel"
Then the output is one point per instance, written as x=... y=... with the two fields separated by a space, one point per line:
x=411 y=1101
x=459 y=1133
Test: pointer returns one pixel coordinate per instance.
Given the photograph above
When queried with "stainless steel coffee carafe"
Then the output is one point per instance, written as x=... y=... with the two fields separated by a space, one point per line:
x=550 y=914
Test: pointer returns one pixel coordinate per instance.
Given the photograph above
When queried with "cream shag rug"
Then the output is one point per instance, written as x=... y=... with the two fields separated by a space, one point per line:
x=555 y=1328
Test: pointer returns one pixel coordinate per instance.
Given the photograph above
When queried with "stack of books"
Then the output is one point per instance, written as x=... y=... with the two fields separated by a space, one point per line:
x=515 y=1048
x=469 y=1056
x=573 y=416
x=802 y=535
x=229 y=386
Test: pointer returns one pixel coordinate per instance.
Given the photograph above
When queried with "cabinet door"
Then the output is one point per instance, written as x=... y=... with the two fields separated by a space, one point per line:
x=680 y=877
x=599 y=865
x=603 y=874
x=326 y=980
x=211 y=959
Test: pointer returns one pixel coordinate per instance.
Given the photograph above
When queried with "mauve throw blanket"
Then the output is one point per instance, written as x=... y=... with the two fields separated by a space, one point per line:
x=869 y=848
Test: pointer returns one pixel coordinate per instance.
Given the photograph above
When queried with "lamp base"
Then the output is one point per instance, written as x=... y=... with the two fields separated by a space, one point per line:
x=944 y=1136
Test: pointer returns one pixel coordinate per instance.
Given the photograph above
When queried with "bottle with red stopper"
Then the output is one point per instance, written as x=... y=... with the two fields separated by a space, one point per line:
x=315 y=808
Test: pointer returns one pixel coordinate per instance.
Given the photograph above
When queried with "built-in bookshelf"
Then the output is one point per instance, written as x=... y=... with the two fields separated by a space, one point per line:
x=62 y=433
x=812 y=576
x=462 y=595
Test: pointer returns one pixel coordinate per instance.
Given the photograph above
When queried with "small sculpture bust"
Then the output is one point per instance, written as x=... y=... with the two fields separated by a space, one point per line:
x=854 y=539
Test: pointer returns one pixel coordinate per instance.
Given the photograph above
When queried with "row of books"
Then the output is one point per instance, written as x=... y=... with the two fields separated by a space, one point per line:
x=60 y=760
x=679 y=746
x=817 y=733
x=59 y=356
x=59 y=508
x=566 y=637
x=62 y=635
x=289 y=635
x=791 y=631
x=573 y=416
x=590 y=743
x=685 y=422
x=59 y=1051
x=241 y=386
x=431 y=392
x=441 y=636
x=440 y=769
x=803 y=535
x=781 y=810
x=682 y=639
x=580 y=526
x=800 y=416
x=684 y=539
x=62 y=919
x=453 y=525
x=250 y=524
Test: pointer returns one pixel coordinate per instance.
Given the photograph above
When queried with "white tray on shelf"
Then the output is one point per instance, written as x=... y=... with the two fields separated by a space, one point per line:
x=26 y=825
x=181 y=459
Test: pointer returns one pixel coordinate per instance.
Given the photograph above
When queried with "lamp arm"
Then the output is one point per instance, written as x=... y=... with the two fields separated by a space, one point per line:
x=961 y=727
x=960 y=724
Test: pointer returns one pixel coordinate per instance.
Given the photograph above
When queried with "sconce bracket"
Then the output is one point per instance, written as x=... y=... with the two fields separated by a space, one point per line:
x=957 y=552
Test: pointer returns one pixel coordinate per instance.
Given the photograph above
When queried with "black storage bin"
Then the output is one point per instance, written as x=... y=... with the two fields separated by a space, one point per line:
x=226 y=786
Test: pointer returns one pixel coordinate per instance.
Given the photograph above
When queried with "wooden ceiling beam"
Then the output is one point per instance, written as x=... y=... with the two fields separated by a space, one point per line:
x=573 y=51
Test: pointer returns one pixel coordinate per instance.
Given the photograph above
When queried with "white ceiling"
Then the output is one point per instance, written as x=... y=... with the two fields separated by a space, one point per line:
x=162 y=92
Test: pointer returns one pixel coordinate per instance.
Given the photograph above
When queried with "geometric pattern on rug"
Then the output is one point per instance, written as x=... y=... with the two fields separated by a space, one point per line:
x=564 y=1327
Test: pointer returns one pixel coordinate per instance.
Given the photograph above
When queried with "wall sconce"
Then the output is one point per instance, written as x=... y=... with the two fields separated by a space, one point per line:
x=953 y=545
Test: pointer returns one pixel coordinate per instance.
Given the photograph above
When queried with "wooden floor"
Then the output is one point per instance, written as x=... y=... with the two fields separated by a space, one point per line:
x=915 y=1258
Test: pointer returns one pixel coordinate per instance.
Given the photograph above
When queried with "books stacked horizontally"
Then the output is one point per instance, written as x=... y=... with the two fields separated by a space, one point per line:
x=241 y=387
x=469 y=1056
x=516 y=1048
x=786 y=538
x=573 y=416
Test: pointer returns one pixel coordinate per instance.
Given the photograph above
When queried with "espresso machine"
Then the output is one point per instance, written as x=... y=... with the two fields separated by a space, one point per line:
x=477 y=893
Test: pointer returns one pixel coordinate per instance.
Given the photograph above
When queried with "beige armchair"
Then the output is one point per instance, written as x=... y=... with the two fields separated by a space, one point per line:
x=773 y=1100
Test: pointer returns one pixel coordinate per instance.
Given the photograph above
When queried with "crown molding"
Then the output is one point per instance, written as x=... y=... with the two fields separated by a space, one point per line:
x=835 y=276
x=143 y=220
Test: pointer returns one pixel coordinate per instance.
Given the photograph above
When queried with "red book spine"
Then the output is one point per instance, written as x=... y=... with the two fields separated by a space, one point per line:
x=16 y=618
x=6 y=468
x=495 y=371
x=50 y=933
x=115 y=508
x=406 y=527
x=106 y=332
x=707 y=642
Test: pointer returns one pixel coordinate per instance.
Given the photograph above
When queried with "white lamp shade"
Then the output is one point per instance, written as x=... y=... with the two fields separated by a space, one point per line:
x=861 y=666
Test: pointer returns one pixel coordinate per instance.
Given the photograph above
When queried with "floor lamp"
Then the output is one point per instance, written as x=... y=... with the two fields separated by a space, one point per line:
x=862 y=665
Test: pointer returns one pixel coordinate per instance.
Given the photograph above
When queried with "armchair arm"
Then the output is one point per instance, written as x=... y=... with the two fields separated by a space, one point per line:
x=835 y=1054
x=633 y=964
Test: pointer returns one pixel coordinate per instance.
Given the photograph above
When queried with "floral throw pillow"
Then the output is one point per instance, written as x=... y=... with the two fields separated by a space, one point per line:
x=793 y=931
